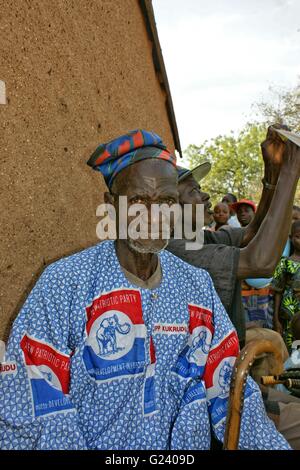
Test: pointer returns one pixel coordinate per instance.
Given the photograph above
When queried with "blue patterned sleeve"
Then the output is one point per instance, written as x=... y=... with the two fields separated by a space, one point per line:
x=257 y=431
x=36 y=409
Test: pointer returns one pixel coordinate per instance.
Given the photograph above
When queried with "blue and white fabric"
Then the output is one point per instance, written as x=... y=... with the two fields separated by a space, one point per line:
x=93 y=362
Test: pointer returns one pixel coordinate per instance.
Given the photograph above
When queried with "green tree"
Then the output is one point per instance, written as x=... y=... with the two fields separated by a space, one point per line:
x=283 y=106
x=237 y=163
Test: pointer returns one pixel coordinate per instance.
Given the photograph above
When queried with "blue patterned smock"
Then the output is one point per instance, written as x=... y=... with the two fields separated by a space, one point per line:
x=94 y=362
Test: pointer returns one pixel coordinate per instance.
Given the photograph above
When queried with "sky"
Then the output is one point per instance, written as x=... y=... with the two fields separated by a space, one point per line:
x=222 y=56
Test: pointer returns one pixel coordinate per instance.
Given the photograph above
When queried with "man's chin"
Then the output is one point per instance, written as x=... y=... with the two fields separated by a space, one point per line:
x=148 y=246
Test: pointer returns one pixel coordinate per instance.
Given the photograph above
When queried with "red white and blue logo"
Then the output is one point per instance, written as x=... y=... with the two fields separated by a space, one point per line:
x=49 y=373
x=192 y=359
x=116 y=333
x=217 y=375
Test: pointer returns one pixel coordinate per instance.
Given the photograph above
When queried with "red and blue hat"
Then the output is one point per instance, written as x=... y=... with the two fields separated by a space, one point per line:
x=118 y=154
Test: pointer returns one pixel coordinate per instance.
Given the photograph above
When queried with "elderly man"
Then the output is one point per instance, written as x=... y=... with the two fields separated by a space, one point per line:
x=123 y=345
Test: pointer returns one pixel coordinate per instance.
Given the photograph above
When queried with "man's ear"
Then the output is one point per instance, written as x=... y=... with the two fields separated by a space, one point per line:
x=109 y=198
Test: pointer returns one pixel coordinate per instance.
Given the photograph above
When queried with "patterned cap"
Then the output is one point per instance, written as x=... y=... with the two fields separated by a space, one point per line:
x=137 y=145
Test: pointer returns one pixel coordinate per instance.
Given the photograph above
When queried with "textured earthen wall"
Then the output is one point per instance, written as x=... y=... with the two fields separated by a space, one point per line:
x=77 y=73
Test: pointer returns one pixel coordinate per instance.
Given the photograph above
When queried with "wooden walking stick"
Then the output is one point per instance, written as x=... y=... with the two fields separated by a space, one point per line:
x=238 y=382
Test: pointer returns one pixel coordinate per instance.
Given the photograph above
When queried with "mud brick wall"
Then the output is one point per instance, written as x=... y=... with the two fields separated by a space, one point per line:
x=76 y=73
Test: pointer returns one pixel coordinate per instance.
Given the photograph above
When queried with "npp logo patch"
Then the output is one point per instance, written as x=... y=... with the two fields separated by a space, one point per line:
x=116 y=333
x=49 y=374
x=192 y=359
x=217 y=375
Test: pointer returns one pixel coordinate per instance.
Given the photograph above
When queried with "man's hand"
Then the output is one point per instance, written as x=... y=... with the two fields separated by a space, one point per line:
x=273 y=150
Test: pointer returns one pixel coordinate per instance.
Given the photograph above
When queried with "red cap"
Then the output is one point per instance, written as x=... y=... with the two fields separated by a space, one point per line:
x=235 y=205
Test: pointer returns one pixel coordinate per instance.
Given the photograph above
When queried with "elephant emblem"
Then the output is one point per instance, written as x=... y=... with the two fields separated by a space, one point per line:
x=199 y=342
x=107 y=335
x=225 y=377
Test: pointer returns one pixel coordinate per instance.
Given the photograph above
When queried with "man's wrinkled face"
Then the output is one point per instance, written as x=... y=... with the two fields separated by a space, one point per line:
x=146 y=183
x=245 y=214
x=190 y=193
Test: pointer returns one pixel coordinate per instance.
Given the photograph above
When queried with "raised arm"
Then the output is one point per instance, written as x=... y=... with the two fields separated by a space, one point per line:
x=272 y=150
x=260 y=257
